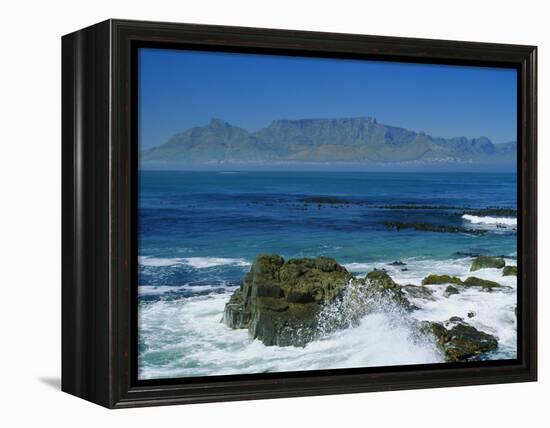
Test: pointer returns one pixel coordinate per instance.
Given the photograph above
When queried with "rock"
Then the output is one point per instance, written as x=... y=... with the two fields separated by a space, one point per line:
x=418 y=292
x=380 y=279
x=376 y=292
x=358 y=282
x=404 y=270
x=441 y=279
x=382 y=287
x=485 y=284
x=450 y=290
x=483 y=262
x=510 y=271
x=278 y=302
x=456 y=319
x=460 y=341
x=471 y=314
x=397 y=263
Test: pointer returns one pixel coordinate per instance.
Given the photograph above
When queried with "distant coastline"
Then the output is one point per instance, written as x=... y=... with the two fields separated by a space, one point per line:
x=381 y=168
x=309 y=144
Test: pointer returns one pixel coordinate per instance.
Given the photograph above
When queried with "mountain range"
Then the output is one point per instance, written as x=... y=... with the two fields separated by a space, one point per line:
x=361 y=141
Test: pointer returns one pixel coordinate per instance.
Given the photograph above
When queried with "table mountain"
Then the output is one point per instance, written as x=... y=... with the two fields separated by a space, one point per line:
x=357 y=140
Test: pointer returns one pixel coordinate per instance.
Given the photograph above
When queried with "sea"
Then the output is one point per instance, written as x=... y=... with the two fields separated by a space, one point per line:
x=199 y=233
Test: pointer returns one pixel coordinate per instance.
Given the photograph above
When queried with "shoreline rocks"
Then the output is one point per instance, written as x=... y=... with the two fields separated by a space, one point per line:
x=450 y=290
x=485 y=284
x=294 y=302
x=417 y=292
x=278 y=301
x=482 y=262
x=382 y=286
x=471 y=281
x=459 y=341
x=441 y=279
x=510 y=271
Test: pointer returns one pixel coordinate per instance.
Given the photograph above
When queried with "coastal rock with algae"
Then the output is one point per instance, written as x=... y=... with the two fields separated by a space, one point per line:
x=291 y=303
x=459 y=341
x=471 y=281
x=278 y=302
x=483 y=262
x=294 y=302
x=510 y=271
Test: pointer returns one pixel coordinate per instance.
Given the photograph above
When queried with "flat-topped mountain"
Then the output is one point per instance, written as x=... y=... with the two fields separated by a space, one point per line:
x=345 y=140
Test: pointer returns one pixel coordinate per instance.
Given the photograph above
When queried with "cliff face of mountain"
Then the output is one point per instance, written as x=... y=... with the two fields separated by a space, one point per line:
x=354 y=140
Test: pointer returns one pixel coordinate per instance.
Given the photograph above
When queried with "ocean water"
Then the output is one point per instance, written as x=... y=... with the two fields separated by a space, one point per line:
x=199 y=232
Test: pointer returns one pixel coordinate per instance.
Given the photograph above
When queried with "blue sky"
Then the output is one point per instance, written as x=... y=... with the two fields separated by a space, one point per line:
x=182 y=89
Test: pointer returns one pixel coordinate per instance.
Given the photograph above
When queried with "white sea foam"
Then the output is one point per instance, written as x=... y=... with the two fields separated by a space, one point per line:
x=191 y=329
x=151 y=290
x=195 y=262
x=189 y=332
x=502 y=221
x=147 y=290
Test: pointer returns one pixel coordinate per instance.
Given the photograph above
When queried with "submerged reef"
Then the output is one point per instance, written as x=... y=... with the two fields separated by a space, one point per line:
x=430 y=227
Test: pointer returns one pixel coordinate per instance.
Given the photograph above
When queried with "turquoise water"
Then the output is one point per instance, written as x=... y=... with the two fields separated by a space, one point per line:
x=199 y=232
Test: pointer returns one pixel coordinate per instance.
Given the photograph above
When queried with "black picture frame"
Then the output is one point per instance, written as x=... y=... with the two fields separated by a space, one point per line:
x=99 y=252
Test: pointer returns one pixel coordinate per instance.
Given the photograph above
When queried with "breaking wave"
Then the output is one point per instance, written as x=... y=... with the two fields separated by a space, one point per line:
x=195 y=262
x=182 y=337
x=502 y=221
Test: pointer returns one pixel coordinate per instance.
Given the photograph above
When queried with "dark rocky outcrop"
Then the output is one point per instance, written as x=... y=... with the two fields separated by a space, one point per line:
x=510 y=271
x=282 y=303
x=450 y=290
x=382 y=286
x=483 y=262
x=417 y=292
x=278 y=302
x=441 y=279
x=291 y=303
x=485 y=284
x=471 y=281
x=377 y=291
x=459 y=341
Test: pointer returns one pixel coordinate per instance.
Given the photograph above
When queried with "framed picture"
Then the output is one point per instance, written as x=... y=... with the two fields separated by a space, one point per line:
x=253 y=213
